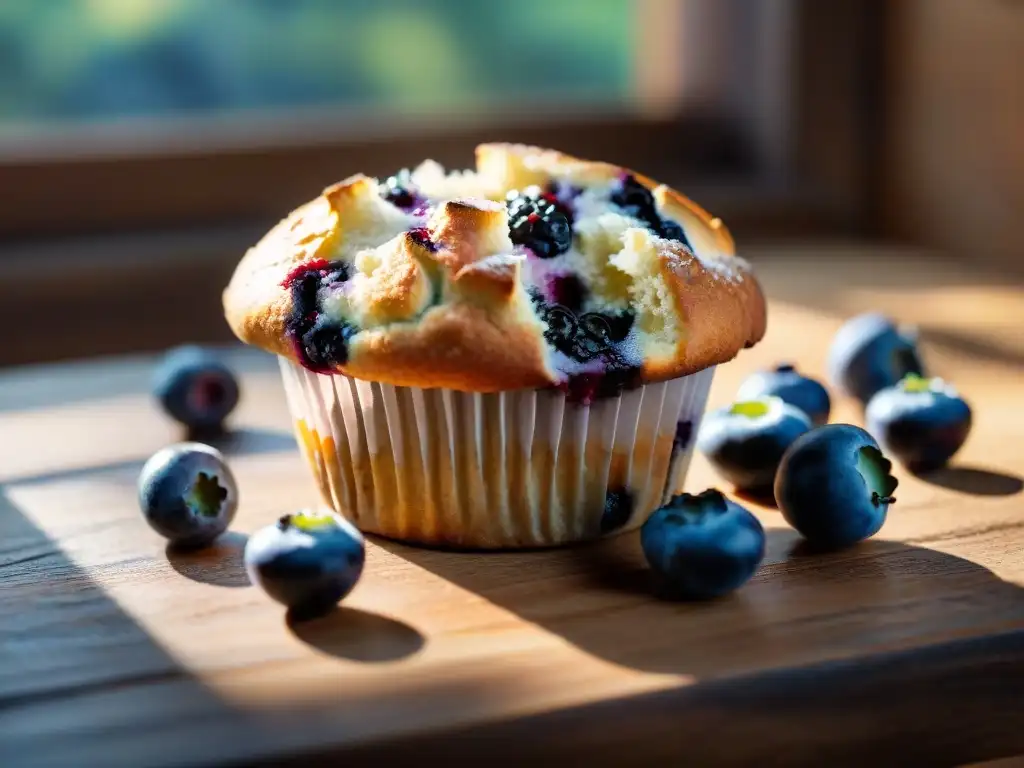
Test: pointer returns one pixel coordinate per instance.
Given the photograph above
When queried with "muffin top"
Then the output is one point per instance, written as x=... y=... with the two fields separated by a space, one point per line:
x=536 y=269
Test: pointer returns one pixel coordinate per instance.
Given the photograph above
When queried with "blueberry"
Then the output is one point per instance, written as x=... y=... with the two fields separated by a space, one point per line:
x=834 y=485
x=195 y=388
x=683 y=435
x=565 y=194
x=325 y=344
x=400 y=191
x=187 y=494
x=307 y=561
x=745 y=441
x=540 y=222
x=421 y=236
x=669 y=230
x=618 y=376
x=618 y=508
x=786 y=383
x=585 y=336
x=320 y=343
x=922 y=422
x=870 y=353
x=568 y=291
x=637 y=201
x=702 y=546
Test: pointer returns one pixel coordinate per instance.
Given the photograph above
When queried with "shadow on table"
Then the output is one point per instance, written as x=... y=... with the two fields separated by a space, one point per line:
x=975 y=481
x=83 y=683
x=802 y=282
x=247 y=441
x=763 y=498
x=799 y=608
x=357 y=635
x=77 y=381
x=67 y=644
x=220 y=564
x=972 y=346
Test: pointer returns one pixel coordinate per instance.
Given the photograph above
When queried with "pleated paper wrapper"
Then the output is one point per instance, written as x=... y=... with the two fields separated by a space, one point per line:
x=493 y=471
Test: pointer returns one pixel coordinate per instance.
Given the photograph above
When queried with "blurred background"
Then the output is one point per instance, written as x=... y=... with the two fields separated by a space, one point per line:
x=144 y=144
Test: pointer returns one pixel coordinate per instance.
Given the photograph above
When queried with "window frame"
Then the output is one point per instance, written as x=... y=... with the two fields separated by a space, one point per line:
x=757 y=113
x=157 y=217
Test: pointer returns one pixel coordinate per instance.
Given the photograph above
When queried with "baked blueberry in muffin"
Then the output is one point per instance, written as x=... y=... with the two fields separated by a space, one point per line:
x=539 y=221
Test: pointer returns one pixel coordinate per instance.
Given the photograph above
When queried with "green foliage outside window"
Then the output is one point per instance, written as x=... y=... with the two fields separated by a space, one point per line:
x=84 y=59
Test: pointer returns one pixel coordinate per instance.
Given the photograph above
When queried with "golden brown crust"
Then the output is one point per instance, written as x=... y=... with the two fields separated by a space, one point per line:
x=721 y=316
x=456 y=313
x=444 y=350
x=256 y=306
x=465 y=228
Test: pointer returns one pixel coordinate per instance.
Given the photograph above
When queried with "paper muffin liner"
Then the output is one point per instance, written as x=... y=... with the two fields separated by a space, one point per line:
x=492 y=471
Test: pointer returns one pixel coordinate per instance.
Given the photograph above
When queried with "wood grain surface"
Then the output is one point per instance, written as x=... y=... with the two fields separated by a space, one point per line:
x=905 y=650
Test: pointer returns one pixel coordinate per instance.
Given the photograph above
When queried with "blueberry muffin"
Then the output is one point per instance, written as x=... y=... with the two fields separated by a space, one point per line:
x=516 y=355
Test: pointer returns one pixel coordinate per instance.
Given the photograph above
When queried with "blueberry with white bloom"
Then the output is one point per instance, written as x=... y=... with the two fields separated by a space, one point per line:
x=195 y=388
x=307 y=561
x=745 y=441
x=922 y=422
x=870 y=353
x=785 y=382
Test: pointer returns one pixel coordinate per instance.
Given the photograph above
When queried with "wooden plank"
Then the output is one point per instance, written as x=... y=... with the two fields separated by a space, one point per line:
x=117 y=652
x=954 y=157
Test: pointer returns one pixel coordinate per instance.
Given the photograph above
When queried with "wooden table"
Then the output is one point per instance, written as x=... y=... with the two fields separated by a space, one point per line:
x=908 y=648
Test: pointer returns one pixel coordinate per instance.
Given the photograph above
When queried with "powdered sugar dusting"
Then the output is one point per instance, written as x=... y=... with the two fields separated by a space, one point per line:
x=728 y=268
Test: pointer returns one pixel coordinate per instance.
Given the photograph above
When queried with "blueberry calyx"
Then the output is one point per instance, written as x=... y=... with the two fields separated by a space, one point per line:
x=745 y=441
x=711 y=499
x=875 y=469
x=916 y=384
x=206 y=495
x=785 y=368
x=693 y=508
x=307 y=521
x=752 y=409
